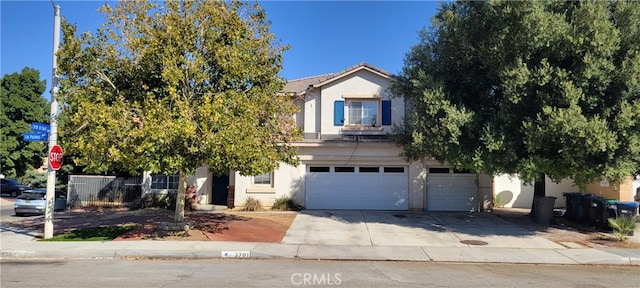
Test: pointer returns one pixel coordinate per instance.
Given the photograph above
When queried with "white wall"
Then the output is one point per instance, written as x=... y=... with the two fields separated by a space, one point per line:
x=299 y=117
x=516 y=194
x=203 y=181
x=311 y=112
x=287 y=181
x=361 y=82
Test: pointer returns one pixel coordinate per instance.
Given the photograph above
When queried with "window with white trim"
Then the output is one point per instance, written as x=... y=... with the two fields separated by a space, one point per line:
x=362 y=113
x=162 y=181
x=264 y=179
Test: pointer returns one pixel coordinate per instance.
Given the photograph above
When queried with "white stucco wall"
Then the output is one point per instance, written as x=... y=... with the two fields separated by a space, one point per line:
x=516 y=194
x=299 y=117
x=311 y=112
x=397 y=112
x=287 y=181
x=361 y=82
x=203 y=181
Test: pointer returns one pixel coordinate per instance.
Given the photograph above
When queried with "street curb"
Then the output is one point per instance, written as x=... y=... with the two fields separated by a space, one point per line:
x=563 y=257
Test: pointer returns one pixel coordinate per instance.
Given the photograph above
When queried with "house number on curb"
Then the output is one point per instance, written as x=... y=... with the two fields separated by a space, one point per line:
x=236 y=254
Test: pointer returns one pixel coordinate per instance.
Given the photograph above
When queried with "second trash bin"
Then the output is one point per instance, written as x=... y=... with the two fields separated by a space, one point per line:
x=574 y=210
x=605 y=209
x=591 y=205
x=544 y=209
x=627 y=209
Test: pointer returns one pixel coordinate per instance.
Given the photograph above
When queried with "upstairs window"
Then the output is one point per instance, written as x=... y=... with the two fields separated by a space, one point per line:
x=363 y=113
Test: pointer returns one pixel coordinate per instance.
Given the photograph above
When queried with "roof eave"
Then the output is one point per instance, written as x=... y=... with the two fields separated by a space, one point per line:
x=349 y=72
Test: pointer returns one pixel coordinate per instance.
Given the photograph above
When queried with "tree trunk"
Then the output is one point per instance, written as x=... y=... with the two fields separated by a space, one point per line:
x=182 y=188
x=539 y=190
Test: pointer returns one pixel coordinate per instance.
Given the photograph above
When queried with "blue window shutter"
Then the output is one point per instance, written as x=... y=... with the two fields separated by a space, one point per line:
x=338 y=113
x=386 y=112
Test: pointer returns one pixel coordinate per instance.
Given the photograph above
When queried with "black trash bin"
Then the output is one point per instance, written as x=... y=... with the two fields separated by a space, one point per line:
x=573 y=205
x=578 y=207
x=591 y=205
x=627 y=209
x=608 y=210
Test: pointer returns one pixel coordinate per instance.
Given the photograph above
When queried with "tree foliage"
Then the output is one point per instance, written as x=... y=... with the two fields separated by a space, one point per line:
x=527 y=87
x=169 y=87
x=21 y=103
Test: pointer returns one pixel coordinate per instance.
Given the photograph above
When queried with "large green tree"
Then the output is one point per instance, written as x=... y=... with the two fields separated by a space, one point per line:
x=527 y=87
x=21 y=103
x=171 y=86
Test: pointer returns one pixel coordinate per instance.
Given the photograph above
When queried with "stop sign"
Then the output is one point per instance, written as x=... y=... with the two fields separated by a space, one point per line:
x=55 y=157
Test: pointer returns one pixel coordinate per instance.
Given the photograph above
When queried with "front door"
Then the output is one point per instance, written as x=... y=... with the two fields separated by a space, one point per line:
x=220 y=190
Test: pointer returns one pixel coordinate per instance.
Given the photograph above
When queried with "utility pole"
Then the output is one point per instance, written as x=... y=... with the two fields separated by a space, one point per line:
x=53 y=135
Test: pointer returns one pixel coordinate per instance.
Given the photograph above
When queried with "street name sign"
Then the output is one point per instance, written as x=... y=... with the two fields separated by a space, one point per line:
x=40 y=127
x=35 y=137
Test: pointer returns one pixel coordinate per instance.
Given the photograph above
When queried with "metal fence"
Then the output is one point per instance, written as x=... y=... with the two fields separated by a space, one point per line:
x=102 y=191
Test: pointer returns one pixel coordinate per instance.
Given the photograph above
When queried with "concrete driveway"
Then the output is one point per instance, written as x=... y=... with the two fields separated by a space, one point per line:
x=402 y=228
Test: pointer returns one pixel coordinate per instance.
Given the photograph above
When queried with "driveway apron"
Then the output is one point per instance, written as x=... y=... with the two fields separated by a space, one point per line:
x=403 y=228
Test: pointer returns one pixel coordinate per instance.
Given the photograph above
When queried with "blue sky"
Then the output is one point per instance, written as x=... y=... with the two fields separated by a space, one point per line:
x=324 y=36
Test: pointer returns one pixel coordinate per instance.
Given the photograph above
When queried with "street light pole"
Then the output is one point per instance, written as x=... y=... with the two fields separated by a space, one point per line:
x=53 y=136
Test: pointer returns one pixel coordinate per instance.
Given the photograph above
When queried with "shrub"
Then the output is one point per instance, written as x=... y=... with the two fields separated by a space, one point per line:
x=285 y=203
x=150 y=200
x=35 y=179
x=622 y=226
x=167 y=201
x=497 y=201
x=145 y=201
x=252 y=204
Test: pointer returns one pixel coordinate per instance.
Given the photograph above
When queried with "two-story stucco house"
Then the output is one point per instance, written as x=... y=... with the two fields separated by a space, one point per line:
x=347 y=160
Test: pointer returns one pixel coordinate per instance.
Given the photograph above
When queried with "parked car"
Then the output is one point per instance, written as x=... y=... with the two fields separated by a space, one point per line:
x=34 y=201
x=12 y=187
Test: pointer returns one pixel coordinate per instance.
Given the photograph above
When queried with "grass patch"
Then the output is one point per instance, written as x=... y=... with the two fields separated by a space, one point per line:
x=101 y=233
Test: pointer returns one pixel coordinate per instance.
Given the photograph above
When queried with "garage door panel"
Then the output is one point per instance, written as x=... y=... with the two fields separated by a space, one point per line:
x=367 y=191
x=369 y=204
x=451 y=192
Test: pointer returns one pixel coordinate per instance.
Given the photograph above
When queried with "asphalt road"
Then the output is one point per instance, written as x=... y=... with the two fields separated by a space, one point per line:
x=6 y=209
x=7 y=213
x=300 y=273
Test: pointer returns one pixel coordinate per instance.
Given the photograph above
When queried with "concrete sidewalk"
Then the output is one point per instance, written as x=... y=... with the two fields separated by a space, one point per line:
x=16 y=245
x=345 y=240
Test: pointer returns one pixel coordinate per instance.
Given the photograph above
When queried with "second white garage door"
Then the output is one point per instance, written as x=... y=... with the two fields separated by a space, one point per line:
x=357 y=187
x=451 y=191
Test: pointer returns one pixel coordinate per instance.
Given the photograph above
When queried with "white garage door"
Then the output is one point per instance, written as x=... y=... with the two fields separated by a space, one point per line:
x=357 y=187
x=448 y=191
